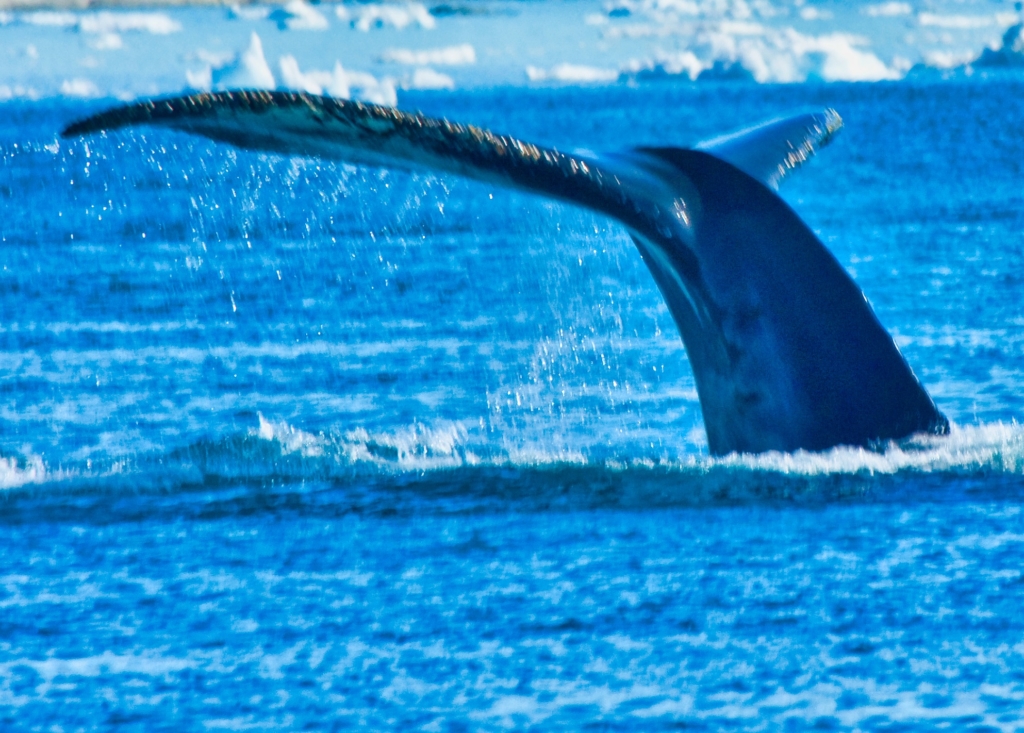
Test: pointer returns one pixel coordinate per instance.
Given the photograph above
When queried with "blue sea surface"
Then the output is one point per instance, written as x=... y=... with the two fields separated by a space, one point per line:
x=290 y=444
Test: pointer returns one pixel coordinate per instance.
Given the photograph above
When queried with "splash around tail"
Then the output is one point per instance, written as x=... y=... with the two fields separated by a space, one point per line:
x=786 y=352
x=448 y=468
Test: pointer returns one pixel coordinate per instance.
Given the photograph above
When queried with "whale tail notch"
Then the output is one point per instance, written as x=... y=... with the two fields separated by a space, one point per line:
x=785 y=350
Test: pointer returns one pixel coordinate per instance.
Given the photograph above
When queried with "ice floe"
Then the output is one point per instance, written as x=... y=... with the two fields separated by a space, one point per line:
x=1007 y=55
x=964 y=22
x=573 y=73
x=340 y=83
x=367 y=17
x=299 y=15
x=620 y=41
x=887 y=10
x=334 y=82
x=1010 y=53
x=427 y=78
x=249 y=12
x=107 y=42
x=446 y=56
x=108 y=22
x=767 y=55
x=812 y=13
x=105 y=21
x=17 y=91
x=248 y=70
x=369 y=88
x=79 y=88
x=664 y=66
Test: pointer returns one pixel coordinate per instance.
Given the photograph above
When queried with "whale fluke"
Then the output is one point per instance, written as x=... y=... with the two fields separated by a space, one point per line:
x=786 y=352
x=771 y=150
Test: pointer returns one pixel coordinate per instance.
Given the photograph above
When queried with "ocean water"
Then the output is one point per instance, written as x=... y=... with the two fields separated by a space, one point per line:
x=299 y=445
x=290 y=444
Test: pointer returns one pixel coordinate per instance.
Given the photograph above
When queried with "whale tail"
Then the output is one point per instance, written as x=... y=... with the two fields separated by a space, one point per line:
x=786 y=352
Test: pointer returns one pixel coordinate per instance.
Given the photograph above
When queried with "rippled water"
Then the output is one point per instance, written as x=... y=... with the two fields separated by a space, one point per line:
x=299 y=445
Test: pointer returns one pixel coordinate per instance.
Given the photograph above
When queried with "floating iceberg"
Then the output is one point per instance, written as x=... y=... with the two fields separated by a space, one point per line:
x=573 y=73
x=50 y=18
x=367 y=17
x=1010 y=55
x=666 y=66
x=82 y=88
x=960 y=22
x=248 y=12
x=426 y=78
x=107 y=42
x=887 y=10
x=447 y=56
x=105 y=22
x=334 y=83
x=248 y=70
x=345 y=84
x=748 y=52
x=299 y=15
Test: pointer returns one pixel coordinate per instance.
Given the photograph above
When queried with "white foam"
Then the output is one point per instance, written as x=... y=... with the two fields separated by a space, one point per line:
x=15 y=473
x=417 y=447
x=272 y=664
x=368 y=17
x=446 y=56
x=573 y=73
x=290 y=439
x=107 y=662
x=299 y=15
x=996 y=447
x=993 y=449
x=675 y=708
